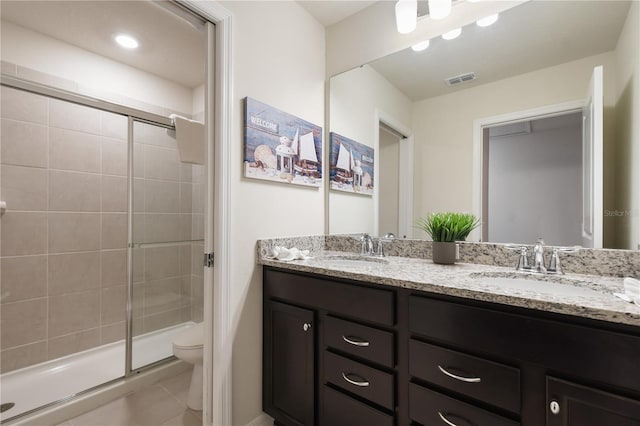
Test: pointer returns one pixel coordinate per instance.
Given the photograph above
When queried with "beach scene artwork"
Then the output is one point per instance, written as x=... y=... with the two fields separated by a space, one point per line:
x=351 y=165
x=281 y=147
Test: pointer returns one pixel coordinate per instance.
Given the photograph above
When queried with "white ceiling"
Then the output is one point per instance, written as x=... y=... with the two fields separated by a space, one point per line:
x=534 y=35
x=170 y=47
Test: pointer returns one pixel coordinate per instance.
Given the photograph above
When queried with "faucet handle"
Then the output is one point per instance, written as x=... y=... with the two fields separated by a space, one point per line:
x=380 y=247
x=523 y=260
x=555 y=267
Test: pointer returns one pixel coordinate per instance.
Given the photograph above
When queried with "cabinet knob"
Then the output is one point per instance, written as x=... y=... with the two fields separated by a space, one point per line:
x=554 y=406
x=306 y=326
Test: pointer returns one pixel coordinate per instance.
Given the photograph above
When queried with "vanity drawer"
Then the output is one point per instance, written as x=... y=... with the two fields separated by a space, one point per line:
x=484 y=380
x=359 y=379
x=349 y=300
x=340 y=409
x=356 y=339
x=431 y=408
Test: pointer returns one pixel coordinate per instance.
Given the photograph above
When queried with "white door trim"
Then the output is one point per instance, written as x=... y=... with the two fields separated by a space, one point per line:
x=217 y=290
x=405 y=173
x=511 y=117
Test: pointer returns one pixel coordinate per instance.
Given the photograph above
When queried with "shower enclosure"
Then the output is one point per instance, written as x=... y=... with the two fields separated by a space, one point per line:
x=101 y=242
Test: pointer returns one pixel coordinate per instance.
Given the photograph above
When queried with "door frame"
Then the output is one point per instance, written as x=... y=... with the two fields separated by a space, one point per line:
x=217 y=407
x=480 y=124
x=405 y=173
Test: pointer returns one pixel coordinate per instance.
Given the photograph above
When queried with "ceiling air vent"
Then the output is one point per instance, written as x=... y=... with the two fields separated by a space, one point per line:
x=462 y=78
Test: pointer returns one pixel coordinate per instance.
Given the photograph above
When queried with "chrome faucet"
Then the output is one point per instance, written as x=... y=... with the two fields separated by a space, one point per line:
x=366 y=245
x=538 y=257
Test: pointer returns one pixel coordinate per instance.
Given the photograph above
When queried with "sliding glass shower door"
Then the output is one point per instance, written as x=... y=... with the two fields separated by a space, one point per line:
x=167 y=226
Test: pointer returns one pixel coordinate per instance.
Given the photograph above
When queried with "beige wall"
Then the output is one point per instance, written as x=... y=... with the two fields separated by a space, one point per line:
x=278 y=58
x=628 y=132
x=443 y=126
x=388 y=183
x=356 y=97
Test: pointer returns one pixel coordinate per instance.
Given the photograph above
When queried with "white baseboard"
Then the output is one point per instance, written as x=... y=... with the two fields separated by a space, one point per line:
x=262 y=420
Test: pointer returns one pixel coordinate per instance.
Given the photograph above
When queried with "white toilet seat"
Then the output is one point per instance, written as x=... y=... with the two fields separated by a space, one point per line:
x=191 y=338
x=188 y=346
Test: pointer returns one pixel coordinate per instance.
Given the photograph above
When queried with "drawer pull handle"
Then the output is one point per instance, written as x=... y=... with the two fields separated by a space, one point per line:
x=362 y=383
x=357 y=342
x=463 y=379
x=449 y=422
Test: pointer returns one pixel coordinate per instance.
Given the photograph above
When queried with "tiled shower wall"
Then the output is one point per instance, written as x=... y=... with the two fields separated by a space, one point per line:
x=63 y=237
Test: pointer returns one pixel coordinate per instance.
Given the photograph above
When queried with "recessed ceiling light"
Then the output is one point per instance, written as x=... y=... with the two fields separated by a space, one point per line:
x=419 y=47
x=126 y=41
x=452 y=34
x=487 y=20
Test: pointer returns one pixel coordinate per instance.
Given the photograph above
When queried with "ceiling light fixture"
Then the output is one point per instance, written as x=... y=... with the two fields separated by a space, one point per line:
x=487 y=20
x=406 y=15
x=452 y=34
x=126 y=41
x=439 y=9
x=419 y=47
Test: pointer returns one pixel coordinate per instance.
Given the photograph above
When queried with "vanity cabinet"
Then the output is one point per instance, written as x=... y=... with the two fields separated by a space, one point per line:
x=381 y=355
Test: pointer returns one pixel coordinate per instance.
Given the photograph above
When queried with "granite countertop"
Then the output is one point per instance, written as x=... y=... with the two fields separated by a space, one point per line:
x=588 y=296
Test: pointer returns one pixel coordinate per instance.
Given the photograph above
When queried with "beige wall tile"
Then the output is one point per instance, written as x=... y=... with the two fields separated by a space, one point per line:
x=24 y=188
x=113 y=305
x=138 y=227
x=113 y=333
x=137 y=300
x=186 y=229
x=185 y=172
x=198 y=198
x=138 y=160
x=75 y=151
x=186 y=198
x=72 y=232
x=24 y=144
x=149 y=134
x=8 y=68
x=161 y=196
x=114 y=230
x=138 y=195
x=23 y=233
x=23 y=356
x=185 y=290
x=161 y=163
x=197 y=228
x=162 y=295
x=197 y=291
x=72 y=191
x=23 y=322
x=71 y=343
x=161 y=227
x=114 y=125
x=114 y=194
x=114 y=157
x=185 y=259
x=197 y=315
x=71 y=273
x=161 y=262
x=139 y=255
x=196 y=259
x=23 y=277
x=162 y=320
x=23 y=106
x=70 y=116
x=114 y=267
x=73 y=312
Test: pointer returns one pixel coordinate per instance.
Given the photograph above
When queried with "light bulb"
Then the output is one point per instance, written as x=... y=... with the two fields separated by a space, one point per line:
x=439 y=9
x=450 y=35
x=419 y=47
x=487 y=20
x=126 y=41
x=406 y=15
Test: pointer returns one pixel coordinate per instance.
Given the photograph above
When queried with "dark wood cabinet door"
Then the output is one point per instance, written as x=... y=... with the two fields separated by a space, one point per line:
x=569 y=404
x=289 y=360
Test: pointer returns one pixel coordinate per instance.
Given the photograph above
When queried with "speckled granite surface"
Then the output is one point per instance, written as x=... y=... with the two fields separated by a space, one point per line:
x=413 y=270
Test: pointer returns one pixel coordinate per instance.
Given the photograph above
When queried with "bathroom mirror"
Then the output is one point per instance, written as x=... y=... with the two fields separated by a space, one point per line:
x=537 y=59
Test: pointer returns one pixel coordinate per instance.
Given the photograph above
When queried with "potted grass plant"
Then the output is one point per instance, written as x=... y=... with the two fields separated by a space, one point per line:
x=445 y=229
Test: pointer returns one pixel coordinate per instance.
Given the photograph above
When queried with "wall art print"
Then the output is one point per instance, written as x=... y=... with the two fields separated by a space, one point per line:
x=281 y=147
x=351 y=165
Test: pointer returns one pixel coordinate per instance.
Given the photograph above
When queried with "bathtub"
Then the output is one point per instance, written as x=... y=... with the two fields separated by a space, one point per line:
x=57 y=380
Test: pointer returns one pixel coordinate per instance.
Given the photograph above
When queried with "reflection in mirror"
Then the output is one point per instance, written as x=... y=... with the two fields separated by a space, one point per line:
x=538 y=57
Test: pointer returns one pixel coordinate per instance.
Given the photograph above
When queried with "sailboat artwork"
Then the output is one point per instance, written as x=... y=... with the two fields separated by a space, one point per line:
x=351 y=165
x=281 y=147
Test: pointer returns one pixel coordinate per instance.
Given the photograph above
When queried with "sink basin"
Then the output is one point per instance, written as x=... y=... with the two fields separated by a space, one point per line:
x=555 y=286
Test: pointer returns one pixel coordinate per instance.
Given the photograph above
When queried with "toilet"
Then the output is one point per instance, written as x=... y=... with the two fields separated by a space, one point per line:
x=187 y=346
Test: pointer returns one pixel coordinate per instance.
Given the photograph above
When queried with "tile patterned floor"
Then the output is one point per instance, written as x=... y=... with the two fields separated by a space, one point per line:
x=160 y=404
